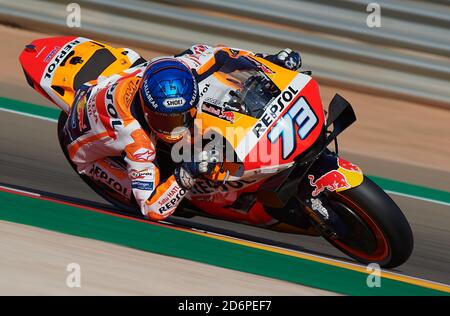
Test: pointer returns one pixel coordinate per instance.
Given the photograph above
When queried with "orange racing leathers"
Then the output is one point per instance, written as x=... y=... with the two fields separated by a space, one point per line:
x=101 y=124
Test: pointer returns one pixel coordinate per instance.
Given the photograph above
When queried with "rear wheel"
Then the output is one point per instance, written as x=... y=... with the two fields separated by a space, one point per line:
x=376 y=231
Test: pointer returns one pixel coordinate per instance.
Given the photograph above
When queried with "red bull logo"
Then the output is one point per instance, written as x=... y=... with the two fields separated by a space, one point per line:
x=344 y=164
x=332 y=181
x=228 y=115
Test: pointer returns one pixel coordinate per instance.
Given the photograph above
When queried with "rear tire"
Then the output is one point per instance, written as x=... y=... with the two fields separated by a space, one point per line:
x=367 y=205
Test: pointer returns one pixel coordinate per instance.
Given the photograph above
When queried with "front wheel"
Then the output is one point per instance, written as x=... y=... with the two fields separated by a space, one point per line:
x=376 y=231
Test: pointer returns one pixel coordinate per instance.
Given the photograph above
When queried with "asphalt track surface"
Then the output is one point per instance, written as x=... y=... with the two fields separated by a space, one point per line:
x=31 y=158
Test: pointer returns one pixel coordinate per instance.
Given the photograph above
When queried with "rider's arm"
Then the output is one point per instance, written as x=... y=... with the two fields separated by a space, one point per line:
x=157 y=198
x=206 y=59
x=286 y=58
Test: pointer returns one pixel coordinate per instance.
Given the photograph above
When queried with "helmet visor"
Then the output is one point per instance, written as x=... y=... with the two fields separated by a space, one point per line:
x=170 y=124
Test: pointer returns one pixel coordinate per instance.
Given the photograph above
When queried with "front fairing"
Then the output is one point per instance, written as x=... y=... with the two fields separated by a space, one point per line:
x=278 y=128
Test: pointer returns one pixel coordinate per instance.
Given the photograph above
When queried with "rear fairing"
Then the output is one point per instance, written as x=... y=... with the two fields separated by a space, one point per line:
x=57 y=66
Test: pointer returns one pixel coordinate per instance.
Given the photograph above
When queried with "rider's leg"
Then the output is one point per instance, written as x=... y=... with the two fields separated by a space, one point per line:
x=109 y=173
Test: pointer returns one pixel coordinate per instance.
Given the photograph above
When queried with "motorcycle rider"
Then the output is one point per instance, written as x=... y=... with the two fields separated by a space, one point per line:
x=125 y=115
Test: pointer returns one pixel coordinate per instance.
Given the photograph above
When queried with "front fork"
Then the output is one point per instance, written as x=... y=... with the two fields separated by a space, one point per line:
x=318 y=221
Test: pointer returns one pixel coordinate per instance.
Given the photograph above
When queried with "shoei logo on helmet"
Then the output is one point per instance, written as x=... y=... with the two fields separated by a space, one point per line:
x=174 y=102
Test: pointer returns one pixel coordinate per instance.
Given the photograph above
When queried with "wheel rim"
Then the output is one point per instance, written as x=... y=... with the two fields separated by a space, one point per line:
x=366 y=241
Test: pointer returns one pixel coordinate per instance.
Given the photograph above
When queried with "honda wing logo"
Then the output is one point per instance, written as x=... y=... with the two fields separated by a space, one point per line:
x=300 y=115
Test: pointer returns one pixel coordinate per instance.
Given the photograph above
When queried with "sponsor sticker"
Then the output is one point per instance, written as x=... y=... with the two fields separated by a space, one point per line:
x=81 y=107
x=331 y=181
x=142 y=185
x=194 y=59
x=149 y=95
x=105 y=177
x=174 y=102
x=51 y=67
x=78 y=118
x=130 y=90
x=141 y=174
x=143 y=154
x=51 y=54
x=171 y=198
x=228 y=115
x=261 y=66
x=199 y=49
x=274 y=109
x=218 y=111
x=344 y=164
x=92 y=109
x=205 y=89
x=204 y=186
x=212 y=101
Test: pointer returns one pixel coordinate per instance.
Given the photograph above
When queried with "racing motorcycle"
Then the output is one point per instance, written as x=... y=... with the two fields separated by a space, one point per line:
x=278 y=171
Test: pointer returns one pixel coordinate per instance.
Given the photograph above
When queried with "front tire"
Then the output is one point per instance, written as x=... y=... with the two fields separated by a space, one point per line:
x=378 y=232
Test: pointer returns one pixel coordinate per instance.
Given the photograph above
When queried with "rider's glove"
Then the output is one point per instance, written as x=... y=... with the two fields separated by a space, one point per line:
x=286 y=58
x=191 y=170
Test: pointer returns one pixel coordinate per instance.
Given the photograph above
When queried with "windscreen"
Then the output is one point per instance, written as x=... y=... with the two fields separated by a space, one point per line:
x=252 y=90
